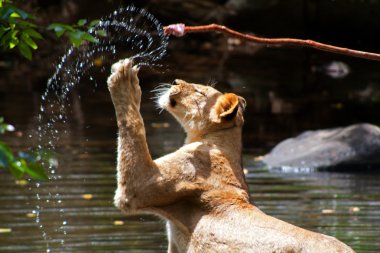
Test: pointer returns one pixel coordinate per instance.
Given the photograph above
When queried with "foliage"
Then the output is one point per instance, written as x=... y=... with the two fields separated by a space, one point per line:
x=22 y=163
x=76 y=33
x=18 y=29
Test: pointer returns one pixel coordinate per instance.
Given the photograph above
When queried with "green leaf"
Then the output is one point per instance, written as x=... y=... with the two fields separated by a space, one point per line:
x=15 y=15
x=5 y=37
x=26 y=162
x=101 y=33
x=89 y=37
x=20 y=165
x=6 y=156
x=25 y=37
x=76 y=38
x=82 y=22
x=10 y=11
x=25 y=50
x=2 y=31
x=55 y=27
x=14 y=42
x=36 y=171
x=4 y=2
x=6 y=127
x=3 y=160
x=33 y=33
x=22 y=13
x=14 y=39
x=3 y=126
x=26 y=24
x=5 y=12
x=29 y=157
x=5 y=148
x=16 y=169
x=60 y=33
x=59 y=27
x=94 y=23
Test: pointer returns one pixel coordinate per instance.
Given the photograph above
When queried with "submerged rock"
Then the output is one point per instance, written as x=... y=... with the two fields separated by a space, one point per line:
x=353 y=147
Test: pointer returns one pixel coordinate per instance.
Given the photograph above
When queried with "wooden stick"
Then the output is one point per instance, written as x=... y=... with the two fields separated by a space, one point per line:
x=179 y=30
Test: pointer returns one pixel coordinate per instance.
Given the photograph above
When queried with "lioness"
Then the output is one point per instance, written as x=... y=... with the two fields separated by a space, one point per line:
x=200 y=188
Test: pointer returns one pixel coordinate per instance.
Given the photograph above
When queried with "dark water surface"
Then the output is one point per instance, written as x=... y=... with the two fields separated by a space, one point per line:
x=285 y=95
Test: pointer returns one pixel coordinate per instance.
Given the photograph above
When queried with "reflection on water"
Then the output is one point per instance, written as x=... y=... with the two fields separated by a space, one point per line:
x=343 y=205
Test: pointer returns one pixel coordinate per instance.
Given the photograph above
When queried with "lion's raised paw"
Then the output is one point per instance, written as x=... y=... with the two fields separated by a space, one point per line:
x=123 y=73
x=123 y=84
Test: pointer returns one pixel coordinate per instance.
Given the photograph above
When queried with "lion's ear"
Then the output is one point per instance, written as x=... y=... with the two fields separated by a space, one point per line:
x=227 y=106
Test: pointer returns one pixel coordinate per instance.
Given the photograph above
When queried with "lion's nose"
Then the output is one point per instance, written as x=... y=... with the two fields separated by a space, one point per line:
x=179 y=82
x=176 y=82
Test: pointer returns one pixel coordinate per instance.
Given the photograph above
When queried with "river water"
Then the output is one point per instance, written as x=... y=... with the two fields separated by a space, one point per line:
x=287 y=90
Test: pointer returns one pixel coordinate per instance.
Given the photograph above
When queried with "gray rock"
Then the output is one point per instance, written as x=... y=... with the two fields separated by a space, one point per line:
x=353 y=147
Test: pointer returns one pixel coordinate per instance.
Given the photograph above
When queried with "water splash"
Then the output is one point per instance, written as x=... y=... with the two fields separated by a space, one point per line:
x=130 y=33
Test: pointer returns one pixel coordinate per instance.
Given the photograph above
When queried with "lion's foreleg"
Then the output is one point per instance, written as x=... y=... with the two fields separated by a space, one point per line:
x=134 y=162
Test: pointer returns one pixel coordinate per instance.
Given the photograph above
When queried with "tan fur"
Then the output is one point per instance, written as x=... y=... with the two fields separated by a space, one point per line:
x=199 y=189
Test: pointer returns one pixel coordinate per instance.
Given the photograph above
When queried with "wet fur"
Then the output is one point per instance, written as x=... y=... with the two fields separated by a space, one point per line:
x=199 y=189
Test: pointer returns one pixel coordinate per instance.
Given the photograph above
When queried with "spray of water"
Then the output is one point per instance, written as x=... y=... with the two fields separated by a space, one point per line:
x=130 y=32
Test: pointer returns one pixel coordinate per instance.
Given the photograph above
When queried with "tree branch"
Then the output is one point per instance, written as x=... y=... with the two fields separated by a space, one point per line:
x=179 y=30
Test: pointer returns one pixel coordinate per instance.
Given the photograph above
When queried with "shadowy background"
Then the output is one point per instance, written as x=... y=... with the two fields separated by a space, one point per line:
x=288 y=89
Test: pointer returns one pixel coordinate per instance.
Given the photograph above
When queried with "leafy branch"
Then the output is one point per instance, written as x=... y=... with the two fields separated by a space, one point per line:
x=19 y=30
x=76 y=33
x=22 y=163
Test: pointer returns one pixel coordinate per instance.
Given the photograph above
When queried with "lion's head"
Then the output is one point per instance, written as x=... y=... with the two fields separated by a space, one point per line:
x=201 y=108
